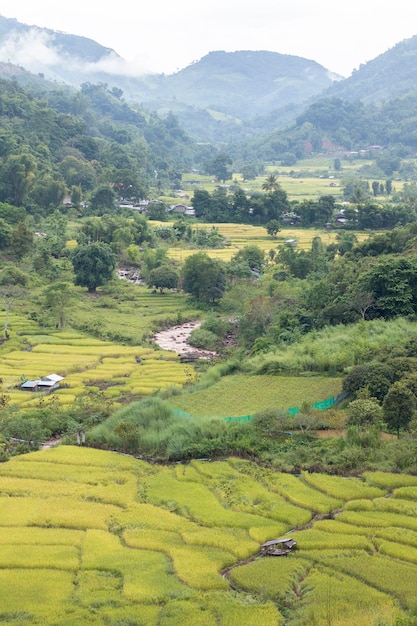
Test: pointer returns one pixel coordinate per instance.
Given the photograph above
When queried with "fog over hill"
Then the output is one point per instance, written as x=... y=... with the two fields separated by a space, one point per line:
x=223 y=97
x=242 y=83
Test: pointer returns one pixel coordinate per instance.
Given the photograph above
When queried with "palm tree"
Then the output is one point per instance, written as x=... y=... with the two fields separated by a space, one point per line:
x=271 y=183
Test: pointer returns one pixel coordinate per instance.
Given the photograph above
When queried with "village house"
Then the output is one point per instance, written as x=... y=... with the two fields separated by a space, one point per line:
x=47 y=383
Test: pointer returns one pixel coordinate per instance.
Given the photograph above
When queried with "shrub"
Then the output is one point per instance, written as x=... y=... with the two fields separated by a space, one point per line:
x=217 y=325
x=364 y=412
x=205 y=339
x=376 y=377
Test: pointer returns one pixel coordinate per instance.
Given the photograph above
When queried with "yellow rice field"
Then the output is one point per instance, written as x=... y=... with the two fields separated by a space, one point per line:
x=95 y=537
x=85 y=363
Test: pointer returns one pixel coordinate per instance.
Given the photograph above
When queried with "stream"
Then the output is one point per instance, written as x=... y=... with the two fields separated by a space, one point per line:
x=175 y=338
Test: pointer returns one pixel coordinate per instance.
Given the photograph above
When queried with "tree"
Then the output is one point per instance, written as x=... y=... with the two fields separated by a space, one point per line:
x=157 y=211
x=376 y=377
x=22 y=240
x=201 y=202
x=57 y=298
x=163 y=277
x=203 y=278
x=18 y=172
x=360 y=194
x=103 y=199
x=362 y=302
x=392 y=282
x=77 y=172
x=218 y=167
x=93 y=265
x=399 y=406
x=345 y=242
x=76 y=195
x=253 y=255
x=6 y=232
x=271 y=183
x=48 y=191
x=273 y=227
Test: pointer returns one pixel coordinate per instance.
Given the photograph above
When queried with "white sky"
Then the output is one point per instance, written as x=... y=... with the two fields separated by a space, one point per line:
x=167 y=35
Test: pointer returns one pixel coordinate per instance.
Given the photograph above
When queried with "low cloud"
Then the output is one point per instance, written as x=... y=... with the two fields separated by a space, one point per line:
x=29 y=50
x=36 y=51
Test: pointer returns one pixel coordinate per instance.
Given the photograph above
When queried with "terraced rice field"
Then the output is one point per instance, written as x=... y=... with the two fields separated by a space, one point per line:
x=93 y=537
x=86 y=363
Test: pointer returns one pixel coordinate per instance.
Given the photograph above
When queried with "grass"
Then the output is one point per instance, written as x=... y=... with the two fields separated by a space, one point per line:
x=107 y=539
x=342 y=488
x=336 y=348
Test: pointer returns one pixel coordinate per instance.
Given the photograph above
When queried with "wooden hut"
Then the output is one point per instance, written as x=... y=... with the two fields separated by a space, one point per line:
x=278 y=547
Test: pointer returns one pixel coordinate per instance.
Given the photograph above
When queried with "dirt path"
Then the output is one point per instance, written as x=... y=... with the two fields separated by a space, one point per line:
x=175 y=339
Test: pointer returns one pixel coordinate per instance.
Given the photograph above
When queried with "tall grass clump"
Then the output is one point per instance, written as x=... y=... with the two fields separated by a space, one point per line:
x=146 y=426
x=153 y=429
x=334 y=349
x=211 y=333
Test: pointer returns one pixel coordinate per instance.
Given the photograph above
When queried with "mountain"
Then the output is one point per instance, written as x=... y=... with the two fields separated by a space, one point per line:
x=390 y=75
x=213 y=96
x=246 y=83
x=82 y=48
x=230 y=98
x=59 y=56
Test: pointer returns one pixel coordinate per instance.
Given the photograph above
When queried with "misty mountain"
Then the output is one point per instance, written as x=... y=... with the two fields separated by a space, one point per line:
x=246 y=83
x=211 y=96
x=58 y=56
x=225 y=98
x=81 y=48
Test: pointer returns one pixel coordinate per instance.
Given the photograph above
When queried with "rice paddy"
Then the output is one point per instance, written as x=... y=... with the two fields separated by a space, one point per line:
x=86 y=364
x=94 y=537
x=240 y=235
x=240 y=394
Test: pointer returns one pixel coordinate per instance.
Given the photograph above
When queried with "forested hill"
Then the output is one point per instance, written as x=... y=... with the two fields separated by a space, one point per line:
x=337 y=126
x=390 y=75
x=212 y=96
x=55 y=140
x=246 y=83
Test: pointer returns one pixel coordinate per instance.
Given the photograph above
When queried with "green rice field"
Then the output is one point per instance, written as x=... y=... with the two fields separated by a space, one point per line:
x=308 y=179
x=95 y=537
x=238 y=395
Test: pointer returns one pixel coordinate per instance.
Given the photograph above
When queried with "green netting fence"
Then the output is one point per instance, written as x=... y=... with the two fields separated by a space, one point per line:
x=323 y=405
x=244 y=418
x=318 y=406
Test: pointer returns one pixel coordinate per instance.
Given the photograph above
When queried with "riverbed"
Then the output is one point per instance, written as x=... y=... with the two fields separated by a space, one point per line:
x=176 y=338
